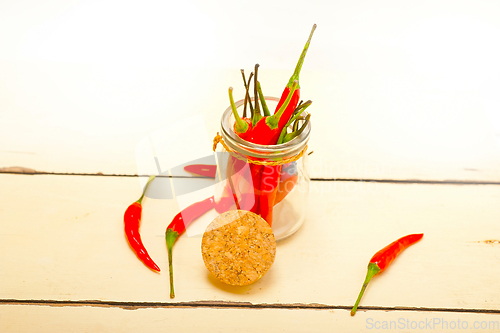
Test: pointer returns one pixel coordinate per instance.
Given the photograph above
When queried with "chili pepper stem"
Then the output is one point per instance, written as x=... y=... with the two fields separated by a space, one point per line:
x=247 y=95
x=273 y=120
x=256 y=111
x=302 y=107
x=298 y=67
x=145 y=188
x=373 y=270
x=241 y=125
x=265 y=109
x=246 y=100
x=293 y=135
x=170 y=238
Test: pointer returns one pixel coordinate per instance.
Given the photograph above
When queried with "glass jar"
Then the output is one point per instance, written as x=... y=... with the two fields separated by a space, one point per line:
x=290 y=204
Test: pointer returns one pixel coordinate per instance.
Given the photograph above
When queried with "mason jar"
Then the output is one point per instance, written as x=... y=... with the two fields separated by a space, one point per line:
x=247 y=171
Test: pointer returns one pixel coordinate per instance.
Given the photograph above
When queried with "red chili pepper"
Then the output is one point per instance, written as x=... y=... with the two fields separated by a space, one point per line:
x=178 y=226
x=242 y=127
x=267 y=131
x=240 y=174
x=268 y=191
x=296 y=95
x=256 y=175
x=271 y=174
x=229 y=202
x=383 y=258
x=132 y=221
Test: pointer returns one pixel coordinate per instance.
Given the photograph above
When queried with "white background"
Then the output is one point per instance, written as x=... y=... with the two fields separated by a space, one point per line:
x=401 y=89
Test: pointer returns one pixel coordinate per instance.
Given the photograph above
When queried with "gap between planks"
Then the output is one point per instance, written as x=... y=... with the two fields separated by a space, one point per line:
x=233 y=305
x=30 y=172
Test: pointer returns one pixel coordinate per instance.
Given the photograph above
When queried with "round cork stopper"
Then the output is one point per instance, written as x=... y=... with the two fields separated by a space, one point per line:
x=238 y=247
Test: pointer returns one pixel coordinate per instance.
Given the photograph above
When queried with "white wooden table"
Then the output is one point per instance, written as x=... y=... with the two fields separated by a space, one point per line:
x=406 y=133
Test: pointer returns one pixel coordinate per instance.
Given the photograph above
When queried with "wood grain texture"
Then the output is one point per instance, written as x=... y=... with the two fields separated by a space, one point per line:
x=405 y=94
x=62 y=238
x=13 y=318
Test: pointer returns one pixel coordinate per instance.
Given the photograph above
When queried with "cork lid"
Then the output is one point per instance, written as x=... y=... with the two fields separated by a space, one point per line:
x=238 y=247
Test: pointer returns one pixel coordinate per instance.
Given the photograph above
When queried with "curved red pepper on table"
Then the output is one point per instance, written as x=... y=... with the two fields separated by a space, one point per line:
x=178 y=226
x=184 y=218
x=383 y=258
x=132 y=221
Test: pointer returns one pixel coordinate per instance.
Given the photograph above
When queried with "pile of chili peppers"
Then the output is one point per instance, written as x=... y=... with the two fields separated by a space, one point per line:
x=266 y=185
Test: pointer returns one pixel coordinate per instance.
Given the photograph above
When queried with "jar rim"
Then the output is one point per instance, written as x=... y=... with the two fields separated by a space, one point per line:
x=244 y=147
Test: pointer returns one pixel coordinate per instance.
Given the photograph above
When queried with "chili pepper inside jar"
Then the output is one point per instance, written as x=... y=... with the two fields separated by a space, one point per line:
x=269 y=180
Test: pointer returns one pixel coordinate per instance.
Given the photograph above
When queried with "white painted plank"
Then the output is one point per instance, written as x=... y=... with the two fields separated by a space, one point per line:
x=92 y=319
x=61 y=238
x=391 y=100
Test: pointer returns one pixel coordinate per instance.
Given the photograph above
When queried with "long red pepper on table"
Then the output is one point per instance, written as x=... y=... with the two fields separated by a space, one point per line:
x=383 y=258
x=178 y=226
x=132 y=221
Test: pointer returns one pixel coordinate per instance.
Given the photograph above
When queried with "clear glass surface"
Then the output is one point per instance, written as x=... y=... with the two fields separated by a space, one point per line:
x=293 y=189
